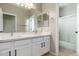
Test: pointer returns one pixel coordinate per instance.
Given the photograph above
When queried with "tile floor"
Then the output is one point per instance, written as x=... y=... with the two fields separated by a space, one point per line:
x=66 y=52
x=63 y=52
x=48 y=54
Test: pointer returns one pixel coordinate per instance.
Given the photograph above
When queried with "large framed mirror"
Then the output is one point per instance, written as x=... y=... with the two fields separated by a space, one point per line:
x=13 y=18
x=16 y=19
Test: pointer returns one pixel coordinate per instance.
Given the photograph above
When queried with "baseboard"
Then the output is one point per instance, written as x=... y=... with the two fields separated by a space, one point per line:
x=67 y=45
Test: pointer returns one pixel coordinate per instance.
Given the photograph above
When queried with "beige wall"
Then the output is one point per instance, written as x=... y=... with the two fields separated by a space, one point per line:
x=52 y=9
x=21 y=14
x=37 y=10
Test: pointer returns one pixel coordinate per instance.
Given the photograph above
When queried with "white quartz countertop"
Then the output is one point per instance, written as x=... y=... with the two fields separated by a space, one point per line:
x=19 y=36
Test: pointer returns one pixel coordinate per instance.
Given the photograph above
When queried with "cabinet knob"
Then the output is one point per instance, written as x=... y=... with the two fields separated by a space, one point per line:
x=44 y=44
x=41 y=45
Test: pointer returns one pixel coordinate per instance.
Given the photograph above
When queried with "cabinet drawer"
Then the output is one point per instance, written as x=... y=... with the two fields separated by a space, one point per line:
x=37 y=39
x=5 y=45
x=22 y=42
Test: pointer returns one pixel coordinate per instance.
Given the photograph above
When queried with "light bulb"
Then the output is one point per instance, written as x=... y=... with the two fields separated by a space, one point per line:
x=26 y=5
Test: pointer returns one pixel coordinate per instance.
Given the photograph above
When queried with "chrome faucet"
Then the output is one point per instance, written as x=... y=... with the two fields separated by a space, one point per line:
x=35 y=31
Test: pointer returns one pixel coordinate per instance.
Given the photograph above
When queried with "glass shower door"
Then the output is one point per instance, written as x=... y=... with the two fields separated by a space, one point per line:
x=67 y=28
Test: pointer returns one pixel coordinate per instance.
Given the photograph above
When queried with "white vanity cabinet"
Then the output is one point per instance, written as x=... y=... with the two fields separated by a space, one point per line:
x=23 y=48
x=35 y=46
x=23 y=51
x=46 y=44
x=40 y=46
x=36 y=49
x=5 y=49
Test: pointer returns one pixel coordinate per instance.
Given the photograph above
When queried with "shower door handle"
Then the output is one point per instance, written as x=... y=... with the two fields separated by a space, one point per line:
x=76 y=32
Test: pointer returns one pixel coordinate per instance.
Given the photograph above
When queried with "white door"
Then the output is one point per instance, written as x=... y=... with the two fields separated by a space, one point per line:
x=1 y=20
x=23 y=51
x=5 y=49
x=68 y=30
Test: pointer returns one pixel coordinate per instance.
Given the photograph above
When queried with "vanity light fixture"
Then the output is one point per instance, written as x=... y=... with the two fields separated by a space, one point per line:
x=26 y=5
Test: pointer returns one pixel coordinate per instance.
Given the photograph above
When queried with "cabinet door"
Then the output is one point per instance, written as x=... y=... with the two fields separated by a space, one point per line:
x=23 y=51
x=37 y=49
x=1 y=20
x=46 y=45
x=5 y=53
x=5 y=49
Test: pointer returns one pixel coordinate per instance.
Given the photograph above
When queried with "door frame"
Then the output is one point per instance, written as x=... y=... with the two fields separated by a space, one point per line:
x=15 y=19
x=57 y=30
x=77 y=48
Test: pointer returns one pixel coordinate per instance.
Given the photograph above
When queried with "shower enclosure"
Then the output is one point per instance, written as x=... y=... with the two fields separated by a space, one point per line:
x=67 y=26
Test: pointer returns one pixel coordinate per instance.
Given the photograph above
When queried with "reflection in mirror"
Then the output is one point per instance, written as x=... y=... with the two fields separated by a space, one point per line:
x=39 y=21
x=30 y=24
x=43 y=20
x=8 y=23
x=15 y=18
